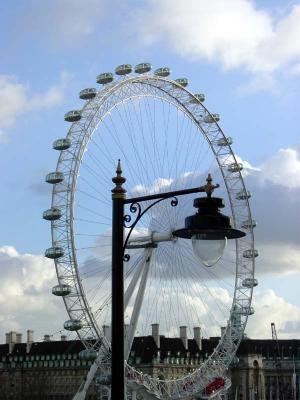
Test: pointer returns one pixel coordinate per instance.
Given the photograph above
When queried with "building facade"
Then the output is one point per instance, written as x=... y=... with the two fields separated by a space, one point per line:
x=53 y=370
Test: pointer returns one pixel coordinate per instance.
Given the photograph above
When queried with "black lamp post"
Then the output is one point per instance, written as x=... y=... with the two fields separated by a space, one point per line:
x=207 y=226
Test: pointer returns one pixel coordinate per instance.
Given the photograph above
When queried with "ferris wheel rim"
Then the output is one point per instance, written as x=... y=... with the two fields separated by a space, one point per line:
x=106 y=94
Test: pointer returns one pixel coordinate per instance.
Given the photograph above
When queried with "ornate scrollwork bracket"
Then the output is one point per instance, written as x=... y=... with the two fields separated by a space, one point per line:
x=136 y=208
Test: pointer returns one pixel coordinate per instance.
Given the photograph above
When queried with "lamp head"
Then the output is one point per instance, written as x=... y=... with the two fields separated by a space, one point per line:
x=208 y=223
x=209 y=230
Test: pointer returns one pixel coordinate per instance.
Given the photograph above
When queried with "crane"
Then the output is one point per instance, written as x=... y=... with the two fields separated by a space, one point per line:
x=279 y=383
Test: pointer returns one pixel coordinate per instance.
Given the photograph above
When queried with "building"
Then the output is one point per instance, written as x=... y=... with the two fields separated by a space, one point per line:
x=41 y=370
x=264 y=370
x=52 y=370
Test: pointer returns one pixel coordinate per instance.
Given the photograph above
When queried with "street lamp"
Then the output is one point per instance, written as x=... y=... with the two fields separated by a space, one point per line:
x=208 y=229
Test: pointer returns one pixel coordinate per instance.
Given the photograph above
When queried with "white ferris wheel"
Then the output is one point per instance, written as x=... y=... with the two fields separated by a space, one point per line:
x=167 y=140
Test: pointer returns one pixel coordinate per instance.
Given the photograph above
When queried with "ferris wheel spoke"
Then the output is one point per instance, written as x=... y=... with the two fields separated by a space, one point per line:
x=93 y=212
x=122 y=149
x=106 y=178
x=92 y=197
x=131 y=131
x=184 y=288
x=92 y=222
x=146 y=152
x=207 y=290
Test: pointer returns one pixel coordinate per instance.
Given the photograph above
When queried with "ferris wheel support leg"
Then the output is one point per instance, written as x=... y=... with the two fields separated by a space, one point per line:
x=133 y=282
x=138 y=303
x=81 y=394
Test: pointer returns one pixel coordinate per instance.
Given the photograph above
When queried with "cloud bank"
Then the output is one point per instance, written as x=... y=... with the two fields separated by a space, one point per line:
x=235 y=33
x=16 y=99
x=26 y=301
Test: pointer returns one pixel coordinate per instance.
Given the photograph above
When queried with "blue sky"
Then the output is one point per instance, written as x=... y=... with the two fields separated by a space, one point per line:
x=244 y=55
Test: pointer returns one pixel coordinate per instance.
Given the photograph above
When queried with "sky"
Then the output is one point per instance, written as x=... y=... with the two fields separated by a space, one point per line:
x=244 y=55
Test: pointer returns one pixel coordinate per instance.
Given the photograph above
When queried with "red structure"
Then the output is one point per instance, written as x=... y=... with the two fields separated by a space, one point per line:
x=214 y=385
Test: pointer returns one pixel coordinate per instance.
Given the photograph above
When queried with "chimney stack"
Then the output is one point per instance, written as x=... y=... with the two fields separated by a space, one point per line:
x=197 y=336
x=155 y=334
x=29 y=340
x=11 y=340
x=47 y=338
x=183 y=336
x=19 y=338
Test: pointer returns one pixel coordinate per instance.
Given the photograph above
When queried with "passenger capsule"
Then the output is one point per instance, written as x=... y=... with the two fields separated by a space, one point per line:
x=73 y=116
x=199 y=97
x=250 y=282
x=210 y=118
x=61 y=290
x=142 y=68
x=104 y=78
x=123 y=69
x=244 y=311
x=250 y=253
x=182 y=81
x=235 y=167
x=61 y=144
x=54 y=252
x=54 y=177
x=88 y=355
x=87 y=94
x=225 y=141
x=249 y=223
x=243 y=195
x=164 y=72
x=52 y=214
x=73 y=325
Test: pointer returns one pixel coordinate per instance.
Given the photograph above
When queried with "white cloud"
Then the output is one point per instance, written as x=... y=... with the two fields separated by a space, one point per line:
x=263 y=82
x=158 y=185
x=269 y=307
x=283 y=168
x=16 y=100
x=233 y=32
x=278 y=259
x=26 y=301
x=275 y=205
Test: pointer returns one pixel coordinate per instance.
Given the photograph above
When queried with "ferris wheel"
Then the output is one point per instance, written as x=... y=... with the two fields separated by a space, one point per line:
x=167 y=140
